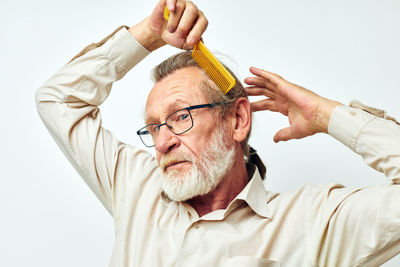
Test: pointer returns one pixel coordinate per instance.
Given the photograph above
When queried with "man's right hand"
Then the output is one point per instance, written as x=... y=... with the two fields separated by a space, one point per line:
x=183 y=29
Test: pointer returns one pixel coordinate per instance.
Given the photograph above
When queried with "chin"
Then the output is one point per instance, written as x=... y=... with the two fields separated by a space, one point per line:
x=182 y=186
x=175 y=176
x=202 y=177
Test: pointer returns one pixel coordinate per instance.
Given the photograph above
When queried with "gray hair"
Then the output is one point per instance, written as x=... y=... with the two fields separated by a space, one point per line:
x=214 y=95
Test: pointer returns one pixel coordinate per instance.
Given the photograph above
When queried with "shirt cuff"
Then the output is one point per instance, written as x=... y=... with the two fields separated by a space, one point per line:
x=124 y=50
x=346 y=124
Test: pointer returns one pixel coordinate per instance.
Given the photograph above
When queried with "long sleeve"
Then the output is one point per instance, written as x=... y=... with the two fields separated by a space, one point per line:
x=376 y=140
x=359 y=227
x=68 y=105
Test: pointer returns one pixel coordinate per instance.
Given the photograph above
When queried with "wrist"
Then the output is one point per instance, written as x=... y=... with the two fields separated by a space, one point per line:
x=323 y=115
x=143 y=34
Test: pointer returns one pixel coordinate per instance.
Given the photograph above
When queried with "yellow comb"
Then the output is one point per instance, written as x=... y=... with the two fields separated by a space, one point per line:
x=210 y=64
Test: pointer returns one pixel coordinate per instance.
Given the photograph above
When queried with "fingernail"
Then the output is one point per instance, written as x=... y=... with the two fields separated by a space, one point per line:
x=170 y=29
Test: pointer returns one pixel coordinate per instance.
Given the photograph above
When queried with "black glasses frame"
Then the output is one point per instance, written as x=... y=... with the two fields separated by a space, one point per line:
x=143 y=131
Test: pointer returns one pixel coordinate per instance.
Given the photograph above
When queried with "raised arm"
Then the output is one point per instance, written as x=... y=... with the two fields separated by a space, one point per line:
x=375 y=139
x=345 y=227
x=68 y=102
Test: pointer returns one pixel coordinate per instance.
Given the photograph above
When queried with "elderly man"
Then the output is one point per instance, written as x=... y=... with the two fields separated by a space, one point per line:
x=201 y=201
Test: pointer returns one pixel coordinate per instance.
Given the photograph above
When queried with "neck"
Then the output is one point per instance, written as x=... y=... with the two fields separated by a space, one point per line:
x=232 y=184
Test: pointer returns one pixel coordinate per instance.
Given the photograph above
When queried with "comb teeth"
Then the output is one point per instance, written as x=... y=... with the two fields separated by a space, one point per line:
x=211 y=70
x=210 y=64
x=214 y=69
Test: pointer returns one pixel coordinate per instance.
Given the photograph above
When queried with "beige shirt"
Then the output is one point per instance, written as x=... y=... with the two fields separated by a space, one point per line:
x=326 y=225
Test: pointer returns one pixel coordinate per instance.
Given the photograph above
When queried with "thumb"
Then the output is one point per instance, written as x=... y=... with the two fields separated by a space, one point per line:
x=157 y=16
x=284 y=134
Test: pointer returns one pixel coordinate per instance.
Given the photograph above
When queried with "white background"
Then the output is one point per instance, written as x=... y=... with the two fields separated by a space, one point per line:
x=342 y=49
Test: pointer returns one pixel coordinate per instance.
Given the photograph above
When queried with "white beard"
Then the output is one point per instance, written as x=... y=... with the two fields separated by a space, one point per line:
x=204 y=176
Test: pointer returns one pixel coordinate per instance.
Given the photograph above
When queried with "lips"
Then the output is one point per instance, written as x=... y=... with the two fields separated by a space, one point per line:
x=172 y=163
x=172 y=160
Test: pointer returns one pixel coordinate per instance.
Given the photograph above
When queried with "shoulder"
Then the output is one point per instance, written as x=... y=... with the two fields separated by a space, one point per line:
x=310 y=198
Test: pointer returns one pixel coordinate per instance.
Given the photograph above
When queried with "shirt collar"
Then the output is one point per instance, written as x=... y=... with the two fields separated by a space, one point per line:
x=255 y=195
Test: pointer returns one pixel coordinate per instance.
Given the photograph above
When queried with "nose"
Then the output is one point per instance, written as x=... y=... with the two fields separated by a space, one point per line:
x=166 y=140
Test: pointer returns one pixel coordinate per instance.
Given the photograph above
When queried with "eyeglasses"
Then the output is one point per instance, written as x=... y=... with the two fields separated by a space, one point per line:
x=178 y=122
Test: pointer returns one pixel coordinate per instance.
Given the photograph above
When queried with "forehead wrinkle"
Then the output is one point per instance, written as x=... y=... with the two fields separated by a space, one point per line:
x=172 y=107
x=178 y=95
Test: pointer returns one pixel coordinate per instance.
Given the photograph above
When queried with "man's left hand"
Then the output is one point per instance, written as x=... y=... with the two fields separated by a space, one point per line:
x=308 y=113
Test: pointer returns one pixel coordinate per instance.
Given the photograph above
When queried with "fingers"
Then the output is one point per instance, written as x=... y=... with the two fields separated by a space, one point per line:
x=185 y=25
x=284 y=134
x=198 y=29
x=157 y=16
x=171 y=5
x=175 y=17
x=187 y=20
x=273 y=78
x=184 y=28
x=265 y=104
x=260 y=82
x=257 y=91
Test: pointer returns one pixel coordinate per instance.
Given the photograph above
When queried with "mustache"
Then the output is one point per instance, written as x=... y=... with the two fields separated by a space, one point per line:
x=170 y=159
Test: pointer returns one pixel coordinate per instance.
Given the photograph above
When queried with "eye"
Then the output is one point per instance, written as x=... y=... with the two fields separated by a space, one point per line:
x=154 y=128
x=183 y=117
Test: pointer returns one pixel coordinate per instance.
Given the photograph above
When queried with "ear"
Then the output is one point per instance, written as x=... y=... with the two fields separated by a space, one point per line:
x=241 y=119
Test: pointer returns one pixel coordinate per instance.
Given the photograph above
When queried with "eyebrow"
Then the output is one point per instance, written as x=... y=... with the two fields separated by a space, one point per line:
x=177 y=105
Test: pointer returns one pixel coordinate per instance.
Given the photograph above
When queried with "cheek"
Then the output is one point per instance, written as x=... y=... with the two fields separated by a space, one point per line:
x=194 y=144
x=191 y=144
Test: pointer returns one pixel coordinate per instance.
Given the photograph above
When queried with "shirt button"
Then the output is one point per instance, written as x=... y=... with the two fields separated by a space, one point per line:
x=352 y=113
x=196 y=225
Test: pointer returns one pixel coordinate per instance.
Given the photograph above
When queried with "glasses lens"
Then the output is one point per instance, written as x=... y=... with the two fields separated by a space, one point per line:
x=179 y=121
x=146 y=134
